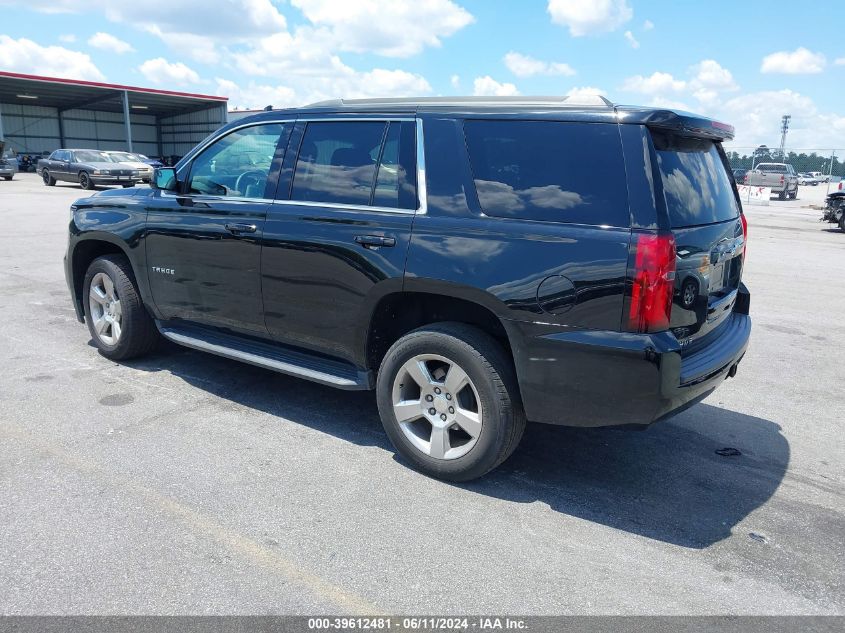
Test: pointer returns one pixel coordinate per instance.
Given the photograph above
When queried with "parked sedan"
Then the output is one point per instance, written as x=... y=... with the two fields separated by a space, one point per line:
x=88 y=167
x=8 y=163
x=135 y=161
x=807 y=179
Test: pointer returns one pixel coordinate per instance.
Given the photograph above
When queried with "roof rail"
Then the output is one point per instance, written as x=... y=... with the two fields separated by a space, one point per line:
x=576 y=100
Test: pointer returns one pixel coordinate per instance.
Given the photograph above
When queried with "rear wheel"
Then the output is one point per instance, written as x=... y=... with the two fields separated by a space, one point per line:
x=782 y=195
x=8 y=177
x=117 y=320
x=48 y=179
x=449 y=401
x=842 y=222
x=793 y=195
x=85 y=181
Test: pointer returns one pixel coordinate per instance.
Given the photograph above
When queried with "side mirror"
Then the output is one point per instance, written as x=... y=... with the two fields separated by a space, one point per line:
x=164 y=178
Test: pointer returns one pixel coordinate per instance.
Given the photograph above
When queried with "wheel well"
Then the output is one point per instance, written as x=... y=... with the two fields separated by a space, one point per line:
x=399 y=313
x=85 y=253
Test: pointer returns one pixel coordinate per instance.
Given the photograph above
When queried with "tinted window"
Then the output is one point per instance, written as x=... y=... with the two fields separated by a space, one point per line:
x=775 y=168
x=237 y=165
x=337 y=162
x=695 y=181
x=549 y=170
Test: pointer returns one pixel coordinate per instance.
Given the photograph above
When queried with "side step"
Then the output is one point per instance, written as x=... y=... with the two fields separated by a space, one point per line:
x=326 y=371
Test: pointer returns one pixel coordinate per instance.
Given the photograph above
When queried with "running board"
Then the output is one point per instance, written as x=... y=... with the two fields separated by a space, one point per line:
x=326 y=371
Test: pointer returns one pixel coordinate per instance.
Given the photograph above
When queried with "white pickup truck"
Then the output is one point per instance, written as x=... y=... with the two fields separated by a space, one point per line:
x=781 y=177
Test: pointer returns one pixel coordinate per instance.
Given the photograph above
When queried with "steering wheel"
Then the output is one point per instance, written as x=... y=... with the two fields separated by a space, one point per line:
x=253 y=176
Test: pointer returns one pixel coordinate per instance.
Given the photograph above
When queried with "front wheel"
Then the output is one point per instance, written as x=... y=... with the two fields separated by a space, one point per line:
x=117 y=320
x=85 y=181
x=449 y=401
x=48 y=179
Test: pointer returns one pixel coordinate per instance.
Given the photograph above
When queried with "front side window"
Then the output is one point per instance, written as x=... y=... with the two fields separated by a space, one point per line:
x=554 y=171
x=237 y=165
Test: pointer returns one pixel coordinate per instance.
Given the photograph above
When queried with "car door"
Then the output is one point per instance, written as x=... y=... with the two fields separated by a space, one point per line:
x=203 y=244
x=337 y=236
x=59 y=164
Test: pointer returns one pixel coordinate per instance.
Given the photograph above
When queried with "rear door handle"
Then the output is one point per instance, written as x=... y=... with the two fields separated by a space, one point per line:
x=241 y=228
x=370 y=241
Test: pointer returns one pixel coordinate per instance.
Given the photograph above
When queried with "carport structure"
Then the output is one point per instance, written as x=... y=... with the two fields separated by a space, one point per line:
x=40 y=114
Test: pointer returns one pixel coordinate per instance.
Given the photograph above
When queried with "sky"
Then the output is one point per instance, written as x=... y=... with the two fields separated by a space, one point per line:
x=746 y=63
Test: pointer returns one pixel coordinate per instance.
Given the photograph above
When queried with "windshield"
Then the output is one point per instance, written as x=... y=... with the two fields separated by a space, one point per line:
x=90 y=156
x=695 y=181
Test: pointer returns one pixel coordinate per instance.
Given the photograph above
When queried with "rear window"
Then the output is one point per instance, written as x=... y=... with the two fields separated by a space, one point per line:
x=549 y=170
x=781 y=169
x=695 y=181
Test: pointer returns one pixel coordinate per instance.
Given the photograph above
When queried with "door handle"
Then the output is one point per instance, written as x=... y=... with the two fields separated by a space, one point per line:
x=240 y=228
x=371 y=241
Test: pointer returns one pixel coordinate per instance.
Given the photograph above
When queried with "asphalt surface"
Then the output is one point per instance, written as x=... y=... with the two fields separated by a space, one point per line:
x=185 y=483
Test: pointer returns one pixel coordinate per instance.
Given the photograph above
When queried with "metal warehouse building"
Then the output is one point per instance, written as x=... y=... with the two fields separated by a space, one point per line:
x=40 y=114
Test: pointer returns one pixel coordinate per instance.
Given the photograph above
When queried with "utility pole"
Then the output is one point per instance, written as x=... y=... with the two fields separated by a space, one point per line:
x=784 y=128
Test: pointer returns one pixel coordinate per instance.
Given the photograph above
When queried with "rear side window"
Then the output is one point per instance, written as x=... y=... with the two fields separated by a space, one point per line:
x=695 y=181
x=549 y=170
x=362 y=163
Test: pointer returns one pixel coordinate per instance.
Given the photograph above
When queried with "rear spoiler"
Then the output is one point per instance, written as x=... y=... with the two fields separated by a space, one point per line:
x=683 y=123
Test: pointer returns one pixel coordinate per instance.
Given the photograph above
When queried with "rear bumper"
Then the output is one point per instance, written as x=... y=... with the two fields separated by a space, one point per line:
x=602 y=378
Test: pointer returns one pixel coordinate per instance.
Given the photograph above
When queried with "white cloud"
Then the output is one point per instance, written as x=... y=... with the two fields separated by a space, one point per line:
x=840 y=61
x=108 y=42
x=655 y=84
x=585 y=92
x=798 y=62
x=756 y=117
x=648 y=25
x=25 y=56
x=194 y=28
x=631 y=39
x=399 y=28
x=67 y=38
x=708 y=73
x=585 y=17
x=526 y=66
x=306 y=61
x=486 y=86
x=455 y=80
x=253 y=96
x=159 y=71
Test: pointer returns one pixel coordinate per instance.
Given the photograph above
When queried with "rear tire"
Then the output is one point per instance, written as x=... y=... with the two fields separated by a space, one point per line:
x=48 y=179
x=782 y=195
x=9 y=178
x=470 y=384
x=842 y=223
x=117 y=319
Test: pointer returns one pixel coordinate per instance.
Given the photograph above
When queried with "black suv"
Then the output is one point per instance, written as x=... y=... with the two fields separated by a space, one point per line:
x=477 y=262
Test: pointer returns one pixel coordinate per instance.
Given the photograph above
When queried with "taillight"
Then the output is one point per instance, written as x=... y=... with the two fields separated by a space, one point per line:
x=653 y=282
x=744 y=234
x=745 y=179
x=781 y=180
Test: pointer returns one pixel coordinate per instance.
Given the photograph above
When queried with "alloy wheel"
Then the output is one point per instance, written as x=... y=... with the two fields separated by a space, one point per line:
x=437 y=406
x=104 y=309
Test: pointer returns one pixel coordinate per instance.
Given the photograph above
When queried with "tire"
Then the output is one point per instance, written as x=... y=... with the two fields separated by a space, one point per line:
x=48 y=179
x=9 y=178
x=85 y=181
x=136 y=334
x=842 y=223
x=782 y=195
x=491 y=393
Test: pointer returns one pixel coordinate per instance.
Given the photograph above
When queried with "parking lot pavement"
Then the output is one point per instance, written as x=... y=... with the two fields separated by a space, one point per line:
x=185 y=483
